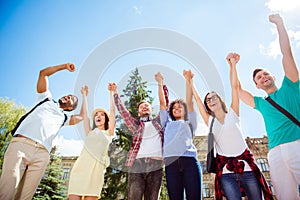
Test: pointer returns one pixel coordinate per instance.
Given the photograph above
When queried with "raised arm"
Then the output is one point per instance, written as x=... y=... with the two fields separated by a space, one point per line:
x=112 y=118
x=42 y=84
x=160 y=81
x=204 y=114
x=188 y=75
x=288 y=62
x=124 y=113
x=232 y=60
x=84 y=110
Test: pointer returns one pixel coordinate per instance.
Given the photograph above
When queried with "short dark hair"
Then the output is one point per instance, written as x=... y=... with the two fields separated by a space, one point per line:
x=255 y=72
x=75 y=103
x=171 y=107
x=222 y=103
x=141 y=102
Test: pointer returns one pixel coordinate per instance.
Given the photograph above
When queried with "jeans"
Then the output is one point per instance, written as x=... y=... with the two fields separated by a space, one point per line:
x=145 y=183
x=231 y=182
x=183 y=175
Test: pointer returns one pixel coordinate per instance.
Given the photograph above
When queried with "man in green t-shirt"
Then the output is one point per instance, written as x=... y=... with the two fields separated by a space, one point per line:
x=283 y=134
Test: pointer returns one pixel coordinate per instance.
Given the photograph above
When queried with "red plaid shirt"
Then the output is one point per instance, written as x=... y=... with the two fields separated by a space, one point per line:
x=236 y=166
x=137 y=129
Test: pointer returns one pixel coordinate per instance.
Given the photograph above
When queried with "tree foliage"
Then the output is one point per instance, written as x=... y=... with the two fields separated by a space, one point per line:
x=116 y=177
x=52 y=186
x=10 y=114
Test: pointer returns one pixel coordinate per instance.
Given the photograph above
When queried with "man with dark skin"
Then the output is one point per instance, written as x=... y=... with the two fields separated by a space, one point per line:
x=28 y=153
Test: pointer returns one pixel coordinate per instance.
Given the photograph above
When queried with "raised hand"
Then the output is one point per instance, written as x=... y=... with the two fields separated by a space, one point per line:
x=112 y=87
x=275 y=18
x=232 y=58
x=188 y=74
x=159 y=78
x=84 y=90
x=70 y=66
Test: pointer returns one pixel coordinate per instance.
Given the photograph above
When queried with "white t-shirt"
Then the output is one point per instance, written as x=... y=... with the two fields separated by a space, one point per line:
x=43 y=124
x=229 y=139
x=151 y=143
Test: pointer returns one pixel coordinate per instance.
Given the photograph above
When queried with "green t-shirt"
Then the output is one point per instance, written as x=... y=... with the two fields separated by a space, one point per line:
x=281 y=129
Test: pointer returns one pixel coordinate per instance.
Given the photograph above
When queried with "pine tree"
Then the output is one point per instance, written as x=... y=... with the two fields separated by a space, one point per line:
x=52 y=186
x=116 y=177
x=10 y=114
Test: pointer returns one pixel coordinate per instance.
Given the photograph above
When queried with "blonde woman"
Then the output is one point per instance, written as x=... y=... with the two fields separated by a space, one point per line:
x=87 y=175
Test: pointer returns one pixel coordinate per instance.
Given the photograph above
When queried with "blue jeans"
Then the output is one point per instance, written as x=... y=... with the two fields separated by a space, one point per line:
x=145 y=179
x=231 y=182
x=183 y=174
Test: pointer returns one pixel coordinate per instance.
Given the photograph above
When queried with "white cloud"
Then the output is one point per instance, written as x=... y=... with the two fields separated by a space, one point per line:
x=273 y=49
x=295 y=37
x=286 y=5
x=137 y=9
x=68 y=147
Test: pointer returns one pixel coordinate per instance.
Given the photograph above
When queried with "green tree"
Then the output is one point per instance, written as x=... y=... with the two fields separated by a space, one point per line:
x=10 y=114
x=116 y=177
x=52 y=186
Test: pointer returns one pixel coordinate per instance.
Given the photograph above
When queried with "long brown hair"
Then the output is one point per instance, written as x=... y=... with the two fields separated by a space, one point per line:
x=222 y=103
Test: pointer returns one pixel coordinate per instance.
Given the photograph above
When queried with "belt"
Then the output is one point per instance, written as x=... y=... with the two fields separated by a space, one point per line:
x=26 y=140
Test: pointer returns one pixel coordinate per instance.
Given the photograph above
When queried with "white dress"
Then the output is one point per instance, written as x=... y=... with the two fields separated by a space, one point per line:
x=87 y=175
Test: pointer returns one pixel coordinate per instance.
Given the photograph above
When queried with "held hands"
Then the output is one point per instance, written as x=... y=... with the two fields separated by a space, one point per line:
x=112 y=87
x=188 y=74
x=159 y=78
x=84 y=90
x=233 y=58
x=70 y=67
x=275 y=18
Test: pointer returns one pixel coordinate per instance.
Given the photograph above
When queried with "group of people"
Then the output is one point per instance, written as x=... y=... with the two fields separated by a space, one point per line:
x=166 y=140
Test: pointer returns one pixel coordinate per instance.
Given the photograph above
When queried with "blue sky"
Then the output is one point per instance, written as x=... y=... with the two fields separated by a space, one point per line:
x=36 y=34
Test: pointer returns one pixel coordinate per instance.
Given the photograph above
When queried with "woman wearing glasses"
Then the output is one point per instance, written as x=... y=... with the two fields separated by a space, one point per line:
x=237 y=174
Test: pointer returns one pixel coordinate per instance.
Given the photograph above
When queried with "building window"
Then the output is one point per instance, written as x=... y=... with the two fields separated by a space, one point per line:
x=66 y=173
x=207 y=191
x=263 y=164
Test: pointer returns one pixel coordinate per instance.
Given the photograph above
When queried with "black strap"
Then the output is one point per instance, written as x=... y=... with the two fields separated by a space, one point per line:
x=210 y=142
x=281 y=109
x=66 y=117
x=211 y=125
x=24 y=116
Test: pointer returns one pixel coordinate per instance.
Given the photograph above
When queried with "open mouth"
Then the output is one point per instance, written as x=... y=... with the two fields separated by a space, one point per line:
x=213 y=105
x=177 y=111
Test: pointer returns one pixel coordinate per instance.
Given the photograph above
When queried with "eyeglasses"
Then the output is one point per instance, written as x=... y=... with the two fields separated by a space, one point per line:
x=212 y=98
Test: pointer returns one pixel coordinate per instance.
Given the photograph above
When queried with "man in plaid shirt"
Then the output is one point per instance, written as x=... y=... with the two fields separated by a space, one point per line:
x=145 y=158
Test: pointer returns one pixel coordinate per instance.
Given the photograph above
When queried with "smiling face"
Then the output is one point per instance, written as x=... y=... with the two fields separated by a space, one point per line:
x=264 y=80
x=144 y=109
x=213 y=103
x=68 y=103
x=178 y=110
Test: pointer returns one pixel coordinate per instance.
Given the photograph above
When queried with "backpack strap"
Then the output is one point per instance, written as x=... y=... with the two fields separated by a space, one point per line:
x=24 y=116
x=66 y=117
x=282 y=110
